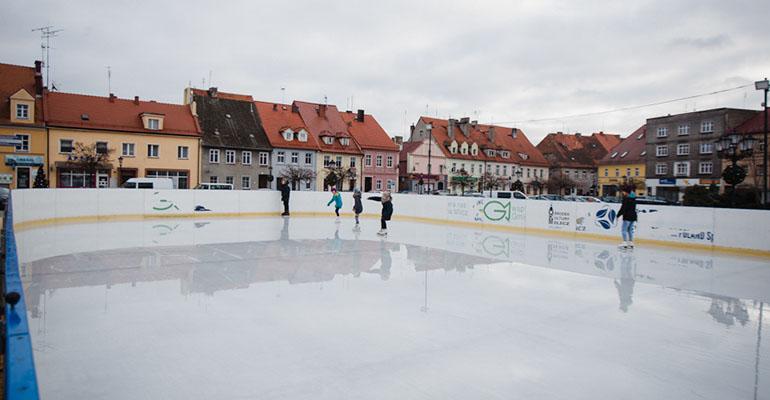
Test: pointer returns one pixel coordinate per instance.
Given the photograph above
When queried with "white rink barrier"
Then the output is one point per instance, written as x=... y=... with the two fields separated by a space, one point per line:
x=745 y=232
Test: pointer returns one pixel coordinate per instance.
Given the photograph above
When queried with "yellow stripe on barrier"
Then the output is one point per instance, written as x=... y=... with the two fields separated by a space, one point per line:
x=737 y=251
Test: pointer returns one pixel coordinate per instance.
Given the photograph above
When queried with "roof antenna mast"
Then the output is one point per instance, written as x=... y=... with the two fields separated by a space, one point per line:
x=46 y=33
x=109 y=80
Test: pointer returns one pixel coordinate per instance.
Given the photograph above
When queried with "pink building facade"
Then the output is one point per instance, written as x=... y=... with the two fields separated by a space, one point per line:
x=381 y=158
x=413 y=169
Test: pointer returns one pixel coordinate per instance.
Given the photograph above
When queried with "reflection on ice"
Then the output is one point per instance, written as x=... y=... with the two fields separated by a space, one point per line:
x=305 y=308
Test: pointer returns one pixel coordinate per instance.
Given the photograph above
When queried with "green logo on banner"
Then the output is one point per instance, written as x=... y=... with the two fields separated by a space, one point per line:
x=496 y=211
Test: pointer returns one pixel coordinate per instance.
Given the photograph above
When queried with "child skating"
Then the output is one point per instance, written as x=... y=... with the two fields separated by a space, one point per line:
x=337 y=200
x=387 y=211
x=628 y=213
x=358 y=208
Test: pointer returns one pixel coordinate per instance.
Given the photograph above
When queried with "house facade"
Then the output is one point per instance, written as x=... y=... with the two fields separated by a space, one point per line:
x=21 y=120
x=295 y=150
x=135 y=138
x=624 y=165
x=681 y=149
x=380 y=154
x=572 y=161
x=234 y=146
x=754 y=165
x=421 y=166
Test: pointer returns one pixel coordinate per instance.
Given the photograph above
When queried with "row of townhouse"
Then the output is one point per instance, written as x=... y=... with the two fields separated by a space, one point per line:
x=212 y=137
x=463 y=155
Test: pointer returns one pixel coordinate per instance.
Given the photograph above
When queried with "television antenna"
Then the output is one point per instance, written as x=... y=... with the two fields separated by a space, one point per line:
x=46 y=33
x=109 y=80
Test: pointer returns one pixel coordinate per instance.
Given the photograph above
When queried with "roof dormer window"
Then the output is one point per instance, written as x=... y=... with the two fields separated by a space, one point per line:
x=302 y=136
x=614 y=154
x=505 y=154
x=22 y=111
x=464 y=148
x=453 y=147
x=152 y=121
x=490 y=153
x=22 y=107
x=328 y=140
x=524 y=156
x=288 y=135
x=625 y=153
x=345 y=141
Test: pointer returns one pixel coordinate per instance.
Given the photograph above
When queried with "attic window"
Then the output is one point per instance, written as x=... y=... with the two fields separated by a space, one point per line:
x=524 y=156
x=614 y=154
x=641 y=135
x=344 y=141
x=84 y=117
x=288 y=135
x=328 y=140
x=643 y=153
x=302 y=137
x=490 y=153
x=216 y=131
x=624 y=154
x=228 y=116
x=153 y=124
x=572 y=158
x=506 y=154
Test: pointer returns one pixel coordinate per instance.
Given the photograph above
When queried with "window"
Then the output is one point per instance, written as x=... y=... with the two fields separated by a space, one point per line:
x=229 y=179
x=682 y=168
x=706 y=148
x=180 y=178
x=378 y=161
x=308 y=158
x=473 y=167
x=339 y=161
x=706 y=167
x=683 y=149
x=368 y=160
x=153 y=124
x=345 y=141
x=378 y=184
x=294 y=157
x=454 y=167
x=213 y=179
x=636 y=171
x=327 y=160
x=389 y=162
x=230 y=156
x=606 y=172
x=263 y=157
x=182 y=152
x=505 y=170
x=662 y=132
x=528 y=172
x=707 y=127
x=246 y=157
x=506 y=154
x=128 y=149
x=246 y=182
x=661 y=169
x=328 y=140
x=288 y=135
x=101 y=148
x=352 y=162
x=614 y=154
x=617 y=172
x=628 y=171
x=643 y=153
x=302 y=136
x=497 y=170
x=280 y=157
x=391 y=184
x=24 y=145
x=625 y=153
x=661 y=151
x=22 y=111
x=683 y=130
x=541 y=173
x=65 y=145
x=214 y=156
x=153 y=150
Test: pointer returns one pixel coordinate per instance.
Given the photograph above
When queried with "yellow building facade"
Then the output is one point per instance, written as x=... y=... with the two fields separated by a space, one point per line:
x=613 y=177
x=342 y=159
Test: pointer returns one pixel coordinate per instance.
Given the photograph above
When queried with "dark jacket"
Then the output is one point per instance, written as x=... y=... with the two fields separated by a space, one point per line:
x=628 y=209
x=285 y=191
x=387 y=207
x=357 y=206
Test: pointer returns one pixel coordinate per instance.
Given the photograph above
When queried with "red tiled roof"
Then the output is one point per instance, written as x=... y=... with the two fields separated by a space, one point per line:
x=276 y=118
x=12 y=79
x=327 y=122
x=503 y=140
x=753 y=125
x=66 y=109
x=576 y=151
x=368 y=134
x=407 y=148
x=632 y=147
x=223 y=95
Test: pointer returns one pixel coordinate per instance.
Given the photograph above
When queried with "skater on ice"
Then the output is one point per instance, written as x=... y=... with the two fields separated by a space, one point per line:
x=387 y=211
x=337 y=200
x=285 y=189
x=628 y=213
x=358 y=208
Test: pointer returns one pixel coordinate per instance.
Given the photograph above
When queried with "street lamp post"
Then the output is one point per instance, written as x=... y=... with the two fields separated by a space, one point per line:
x=120 y=170
x=734 y=147
x=764 y=85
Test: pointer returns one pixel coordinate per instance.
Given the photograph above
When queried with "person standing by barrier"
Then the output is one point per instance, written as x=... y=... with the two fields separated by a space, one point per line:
x=337 y=200
x=628 y=213
x=387 y=211
x=358 y=208
x=285 y=189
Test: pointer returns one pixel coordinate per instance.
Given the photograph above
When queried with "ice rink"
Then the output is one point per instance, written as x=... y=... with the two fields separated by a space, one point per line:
x=306 y=308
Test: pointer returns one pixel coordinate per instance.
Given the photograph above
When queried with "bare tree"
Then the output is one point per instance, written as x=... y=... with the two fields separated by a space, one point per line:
x=492 y=182
x=557 y=182
x=336 y=175
x=295 y=174
x=90 y=158
x=462 y=179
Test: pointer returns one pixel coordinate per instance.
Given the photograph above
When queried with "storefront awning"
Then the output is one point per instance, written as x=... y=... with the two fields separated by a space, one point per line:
x=15 y=160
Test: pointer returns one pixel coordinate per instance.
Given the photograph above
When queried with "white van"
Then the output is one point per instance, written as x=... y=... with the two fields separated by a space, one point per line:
x=505 y=194
x=149 y=183
x=215 y=186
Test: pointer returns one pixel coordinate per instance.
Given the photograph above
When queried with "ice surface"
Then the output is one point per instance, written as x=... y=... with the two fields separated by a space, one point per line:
x=310 y=309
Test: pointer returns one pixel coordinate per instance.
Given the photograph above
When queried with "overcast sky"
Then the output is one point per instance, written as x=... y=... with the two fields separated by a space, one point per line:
x=506 y=62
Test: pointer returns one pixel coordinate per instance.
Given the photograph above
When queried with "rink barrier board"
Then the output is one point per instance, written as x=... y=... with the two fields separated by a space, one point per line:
x=743 y=232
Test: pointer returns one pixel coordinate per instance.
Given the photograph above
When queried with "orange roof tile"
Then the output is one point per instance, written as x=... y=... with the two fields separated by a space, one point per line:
x=628 y=151
x=67 y=109
x=576 y=151
x=276 y=118
x=12 y=79
x=325 y=120
x=368 y=134
x=223 y=95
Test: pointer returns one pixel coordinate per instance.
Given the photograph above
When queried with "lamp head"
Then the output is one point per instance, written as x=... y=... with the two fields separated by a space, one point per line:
x=762 y=85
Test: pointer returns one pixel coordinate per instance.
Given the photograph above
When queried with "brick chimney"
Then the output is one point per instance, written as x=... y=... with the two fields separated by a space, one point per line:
x=465 y=125
x=213 y=91
x=136 y=100
x=360 y=116
x=294 y=108
x=450 y=128
x=491 y=134
x=322 y=110
x=39 y=78
x=112 y=98
x=513 y=133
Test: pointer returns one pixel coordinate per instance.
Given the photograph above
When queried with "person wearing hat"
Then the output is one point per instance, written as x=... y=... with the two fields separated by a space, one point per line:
x=358 y=208
x=387 y=211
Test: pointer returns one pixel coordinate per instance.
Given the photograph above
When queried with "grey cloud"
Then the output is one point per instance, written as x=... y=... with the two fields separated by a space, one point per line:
x=710 y=42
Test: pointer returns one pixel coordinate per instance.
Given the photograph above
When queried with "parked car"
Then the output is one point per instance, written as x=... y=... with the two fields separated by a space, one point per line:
x=149 y=183
x=610 y=199
x=573 y=198
x=591 y=199
x=215 y=186
x=551 y=197
x=473 y=194
x=508 y=194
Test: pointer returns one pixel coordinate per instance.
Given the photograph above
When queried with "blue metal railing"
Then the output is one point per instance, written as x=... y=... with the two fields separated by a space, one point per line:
x=20 y=377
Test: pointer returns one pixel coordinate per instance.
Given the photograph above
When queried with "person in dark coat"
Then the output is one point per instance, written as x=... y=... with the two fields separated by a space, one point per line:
x=285 y=193
x=387 y=211
x=358 y=208
x=628 y=213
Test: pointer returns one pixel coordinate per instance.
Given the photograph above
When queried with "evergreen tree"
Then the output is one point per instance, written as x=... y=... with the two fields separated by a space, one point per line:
x=40 y=179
